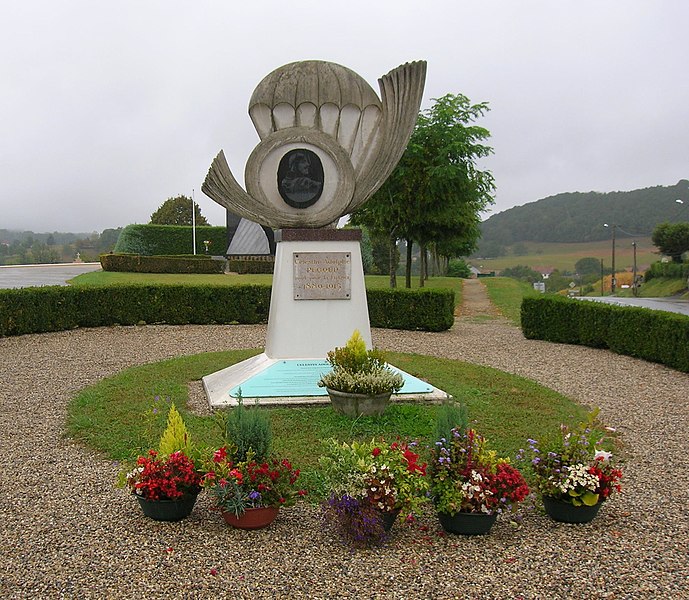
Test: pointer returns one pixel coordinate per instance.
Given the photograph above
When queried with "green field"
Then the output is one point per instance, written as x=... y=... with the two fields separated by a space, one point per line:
x=564 y=256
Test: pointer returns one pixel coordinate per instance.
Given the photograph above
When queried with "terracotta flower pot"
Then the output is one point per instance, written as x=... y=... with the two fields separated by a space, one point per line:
x=253 y=518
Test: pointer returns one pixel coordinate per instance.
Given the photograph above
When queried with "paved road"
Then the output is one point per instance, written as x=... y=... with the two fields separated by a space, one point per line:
x=677 y=305
x=38 y=275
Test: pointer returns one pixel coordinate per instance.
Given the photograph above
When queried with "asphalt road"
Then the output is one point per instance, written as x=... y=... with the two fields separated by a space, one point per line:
x=676 y=305
x=39 y=275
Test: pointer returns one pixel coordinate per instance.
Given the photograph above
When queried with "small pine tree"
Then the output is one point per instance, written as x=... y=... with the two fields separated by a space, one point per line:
x=247 y=430
x=175 y=437
x=451 y=415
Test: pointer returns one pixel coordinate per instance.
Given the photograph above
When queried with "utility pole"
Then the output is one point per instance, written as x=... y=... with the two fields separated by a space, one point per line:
x=602 y=289
x=634 y=282
x=613 y=280
x=193 y=223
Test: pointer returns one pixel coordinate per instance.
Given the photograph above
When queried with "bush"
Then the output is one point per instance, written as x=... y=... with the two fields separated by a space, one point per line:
x=652 y=335
x=56 y=308
x=169 y=240
x=425 y=309
x=246 y=430
x=134 y=263
x=670 y=270
x=251 y=265
x=458 y=268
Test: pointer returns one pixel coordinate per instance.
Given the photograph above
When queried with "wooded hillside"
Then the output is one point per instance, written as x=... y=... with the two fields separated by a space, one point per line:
x=579 y=216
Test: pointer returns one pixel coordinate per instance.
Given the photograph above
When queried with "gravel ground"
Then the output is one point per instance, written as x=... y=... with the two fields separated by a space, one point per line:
x=66 y=532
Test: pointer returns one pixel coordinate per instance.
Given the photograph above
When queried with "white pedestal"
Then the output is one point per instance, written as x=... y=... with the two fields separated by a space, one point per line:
x=302 y=329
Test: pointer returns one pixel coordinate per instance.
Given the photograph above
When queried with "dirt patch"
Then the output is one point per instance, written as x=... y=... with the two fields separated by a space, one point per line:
x=475 y=301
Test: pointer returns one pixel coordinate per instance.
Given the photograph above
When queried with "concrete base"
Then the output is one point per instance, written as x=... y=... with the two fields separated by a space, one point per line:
x=218 y=386
x=305 y=330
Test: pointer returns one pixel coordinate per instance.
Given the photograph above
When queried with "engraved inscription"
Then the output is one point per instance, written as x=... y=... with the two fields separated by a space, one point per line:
x=322 y=275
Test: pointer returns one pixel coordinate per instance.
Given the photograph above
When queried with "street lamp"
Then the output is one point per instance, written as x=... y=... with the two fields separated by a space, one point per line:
x=613 y=281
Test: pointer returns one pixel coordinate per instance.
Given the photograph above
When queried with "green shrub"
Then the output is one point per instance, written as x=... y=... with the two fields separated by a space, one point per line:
x=135 y=263
x=246 y=429
x=451 y=415
x=425 y=309
x=251 y=265
x=457 y=267
x=670 y=270
x=170 y=240
x=652 y=335
x=56 y=308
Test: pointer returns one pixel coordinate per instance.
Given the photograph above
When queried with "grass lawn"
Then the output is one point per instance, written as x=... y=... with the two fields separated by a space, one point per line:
x=100 y=278
x=120 y=416
x=563 y=256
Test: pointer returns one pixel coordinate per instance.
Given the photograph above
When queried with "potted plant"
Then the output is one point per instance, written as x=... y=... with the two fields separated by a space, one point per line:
x=574 y=473
x=470 y=485
x=249 y=493
x=360 y=382
x=166 y=481
x=369 y=484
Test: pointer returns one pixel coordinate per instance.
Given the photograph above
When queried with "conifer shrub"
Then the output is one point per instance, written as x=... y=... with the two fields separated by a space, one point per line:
x=246 y=430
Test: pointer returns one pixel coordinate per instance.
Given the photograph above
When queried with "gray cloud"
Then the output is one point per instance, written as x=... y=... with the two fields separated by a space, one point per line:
x=109 y=109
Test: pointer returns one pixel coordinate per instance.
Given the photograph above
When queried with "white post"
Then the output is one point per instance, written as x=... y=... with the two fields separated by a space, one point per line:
x=193 y=223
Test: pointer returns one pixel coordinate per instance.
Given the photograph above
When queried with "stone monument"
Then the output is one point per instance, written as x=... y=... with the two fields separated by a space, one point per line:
x=328 y=142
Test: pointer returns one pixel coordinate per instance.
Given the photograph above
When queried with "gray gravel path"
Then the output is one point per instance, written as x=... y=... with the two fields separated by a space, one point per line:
x=66 y=532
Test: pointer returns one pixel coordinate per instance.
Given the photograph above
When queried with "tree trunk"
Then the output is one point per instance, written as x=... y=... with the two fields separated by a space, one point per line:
x=393 y=261
x=407 y=273
x=422 y=265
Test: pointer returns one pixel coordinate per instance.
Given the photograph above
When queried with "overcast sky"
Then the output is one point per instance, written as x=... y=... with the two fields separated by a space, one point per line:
x=109 y=108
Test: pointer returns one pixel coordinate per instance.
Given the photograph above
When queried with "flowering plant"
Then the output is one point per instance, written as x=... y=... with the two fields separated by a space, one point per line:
x=237 y=486
x=163 y=477
x=360 y=371
x=367 y=480
x=467 y=477
x=574 y=467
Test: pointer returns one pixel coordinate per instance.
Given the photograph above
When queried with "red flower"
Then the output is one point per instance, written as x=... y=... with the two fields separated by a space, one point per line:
x=376 y=451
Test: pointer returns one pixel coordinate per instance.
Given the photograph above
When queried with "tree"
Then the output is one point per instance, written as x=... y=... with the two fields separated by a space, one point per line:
x=523 y=273
x=672 y=239
x=177 y=211
x=587 y=266
x=435 y=193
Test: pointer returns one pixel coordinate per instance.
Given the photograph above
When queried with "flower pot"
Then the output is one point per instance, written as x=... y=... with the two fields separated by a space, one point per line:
x=253 y=518
x=168 y=510
x=564 y=512
x=467 y=523
x=355 y=405
x=388 y=517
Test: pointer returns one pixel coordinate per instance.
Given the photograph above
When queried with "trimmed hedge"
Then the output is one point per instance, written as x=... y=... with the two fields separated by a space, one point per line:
x=56 y=308
x=251 y=265
x=652 y=335
x=135 y=263
x=169 y=240
x=426 y=309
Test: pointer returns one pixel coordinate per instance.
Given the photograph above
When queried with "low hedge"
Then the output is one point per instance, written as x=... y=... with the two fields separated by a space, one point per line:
x=55 y=308
x=263 y=265
x=652 y=335
x=135 y=263
x=424 y=309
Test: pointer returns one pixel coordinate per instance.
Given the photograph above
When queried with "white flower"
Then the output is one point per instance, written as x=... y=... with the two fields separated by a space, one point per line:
x=602 y=454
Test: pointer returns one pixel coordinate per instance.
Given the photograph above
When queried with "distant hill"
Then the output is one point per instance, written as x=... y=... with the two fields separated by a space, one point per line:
x=579 y=216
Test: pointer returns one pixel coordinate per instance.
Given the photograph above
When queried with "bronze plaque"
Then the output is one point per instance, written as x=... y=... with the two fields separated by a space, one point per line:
x=322 y=275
